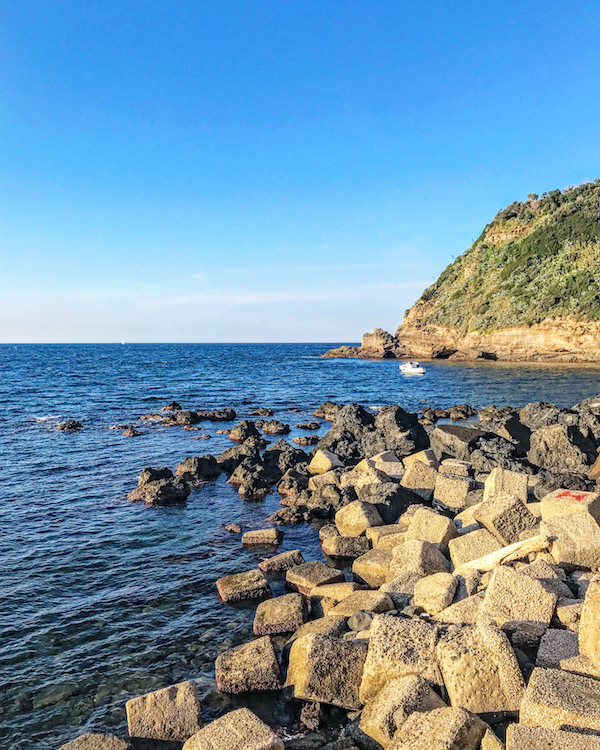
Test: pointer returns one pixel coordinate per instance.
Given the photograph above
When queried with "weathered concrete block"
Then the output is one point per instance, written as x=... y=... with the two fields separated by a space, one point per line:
x=547 y=575
x=451 y=492
x=332 y=626
x=398 y=647
x=324 y=461
x=262 y=537
x=435 y=592
x=559 y=649
x=471 y=546
x=327 y=670
x=376 y=534
x=480 y=671
x=420 y=478
x=239 y=586
x=345 y=546
x=490 y=741
x=464 y=612
x=589 y=627
x=556 y=699
x=373 y=567
x=368 y=601
x=356 y=517
x=514 y=600
x=426 y=457
x=389 y=541
x=568 y=613
x=563 y=502
x=506 y=516
x=441 y=729
x=334 y=591
x=401 y=588
x=317 y=481
x=522 y=737
x=305 y=577
x=237 y=730
x=456 y=467
x=505 y=482
x=170 y=714
x=417 y=557
x=394 y=703
x=95 y=741
x=282 y=562
x=251 y=666
x=429 y=526
x=283 y=614
x=575 y=540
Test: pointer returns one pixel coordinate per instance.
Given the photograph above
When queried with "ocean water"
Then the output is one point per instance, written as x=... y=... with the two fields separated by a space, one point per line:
x=102 y=599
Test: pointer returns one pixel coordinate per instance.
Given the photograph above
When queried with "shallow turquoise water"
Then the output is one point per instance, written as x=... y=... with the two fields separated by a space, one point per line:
x=102 y=599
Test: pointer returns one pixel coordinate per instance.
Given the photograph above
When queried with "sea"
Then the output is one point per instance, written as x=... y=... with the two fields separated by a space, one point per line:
x=102 y=599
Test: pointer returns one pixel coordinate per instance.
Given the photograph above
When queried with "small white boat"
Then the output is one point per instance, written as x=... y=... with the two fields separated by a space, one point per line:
x=412 y=368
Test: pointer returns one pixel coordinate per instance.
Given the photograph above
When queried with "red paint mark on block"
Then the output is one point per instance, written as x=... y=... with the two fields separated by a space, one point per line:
x=571 y=495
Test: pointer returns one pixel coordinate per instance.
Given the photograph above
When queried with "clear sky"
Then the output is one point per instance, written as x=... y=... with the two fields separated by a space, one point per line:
x=281 y=170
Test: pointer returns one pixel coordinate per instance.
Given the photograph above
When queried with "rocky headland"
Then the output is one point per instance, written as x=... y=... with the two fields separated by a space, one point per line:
x=528 y=289
x=457 y=602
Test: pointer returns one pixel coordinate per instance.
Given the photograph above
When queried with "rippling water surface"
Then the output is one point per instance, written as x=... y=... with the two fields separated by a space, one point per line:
x=102 y=599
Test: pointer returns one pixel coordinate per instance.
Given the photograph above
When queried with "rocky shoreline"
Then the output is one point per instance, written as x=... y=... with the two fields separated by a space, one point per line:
x=552 y=341
x=471 y=616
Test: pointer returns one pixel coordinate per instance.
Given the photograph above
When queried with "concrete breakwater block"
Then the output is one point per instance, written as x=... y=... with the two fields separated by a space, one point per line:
x=393 y=704
x=398 y=647
x=327 y=670
x=237 y=730
x=263 y=537
x=251 y=666
x=556 y=699
x=95 y=741
x=251 y=584
x=169 y=714
x=443 y=728
x=283 y=614
x=315 y=573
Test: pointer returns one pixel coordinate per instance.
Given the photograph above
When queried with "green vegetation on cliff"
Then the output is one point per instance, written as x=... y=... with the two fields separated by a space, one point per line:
x=537 y=259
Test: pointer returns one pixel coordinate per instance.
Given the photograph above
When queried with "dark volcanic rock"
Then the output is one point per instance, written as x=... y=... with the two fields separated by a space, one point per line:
x=199 y=468
x=186 y=417
x=306 y=440
x=131 y=432
x=390 y=499
x=327 y=410
x=275 y=427
x=244 y=430
x=150 y=474
x=561 y=448
x=507 y=425
x=462 y=411
x=293 y=482
x=69 y=425
x=291 y=516
x=218 y=415
x=548 y=481
x=233 y=456
x=356 y=433
x=284 y=456
x=162 y=492
x=455 y=441
x=309 y=425
x=263 y=412
x=493 y=450
x=173 y=406
x=401 y=431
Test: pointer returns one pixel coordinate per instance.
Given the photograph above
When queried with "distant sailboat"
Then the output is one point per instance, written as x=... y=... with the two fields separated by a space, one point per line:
x=123 y=343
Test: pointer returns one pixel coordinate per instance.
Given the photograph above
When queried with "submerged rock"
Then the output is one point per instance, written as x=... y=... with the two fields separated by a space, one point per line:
x=69 y=425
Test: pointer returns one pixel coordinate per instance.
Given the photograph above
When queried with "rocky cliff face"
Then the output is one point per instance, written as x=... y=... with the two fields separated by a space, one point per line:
x=528 y=289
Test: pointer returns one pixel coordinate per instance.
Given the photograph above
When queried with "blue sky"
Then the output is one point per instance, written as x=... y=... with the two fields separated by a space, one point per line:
x=271 y=171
